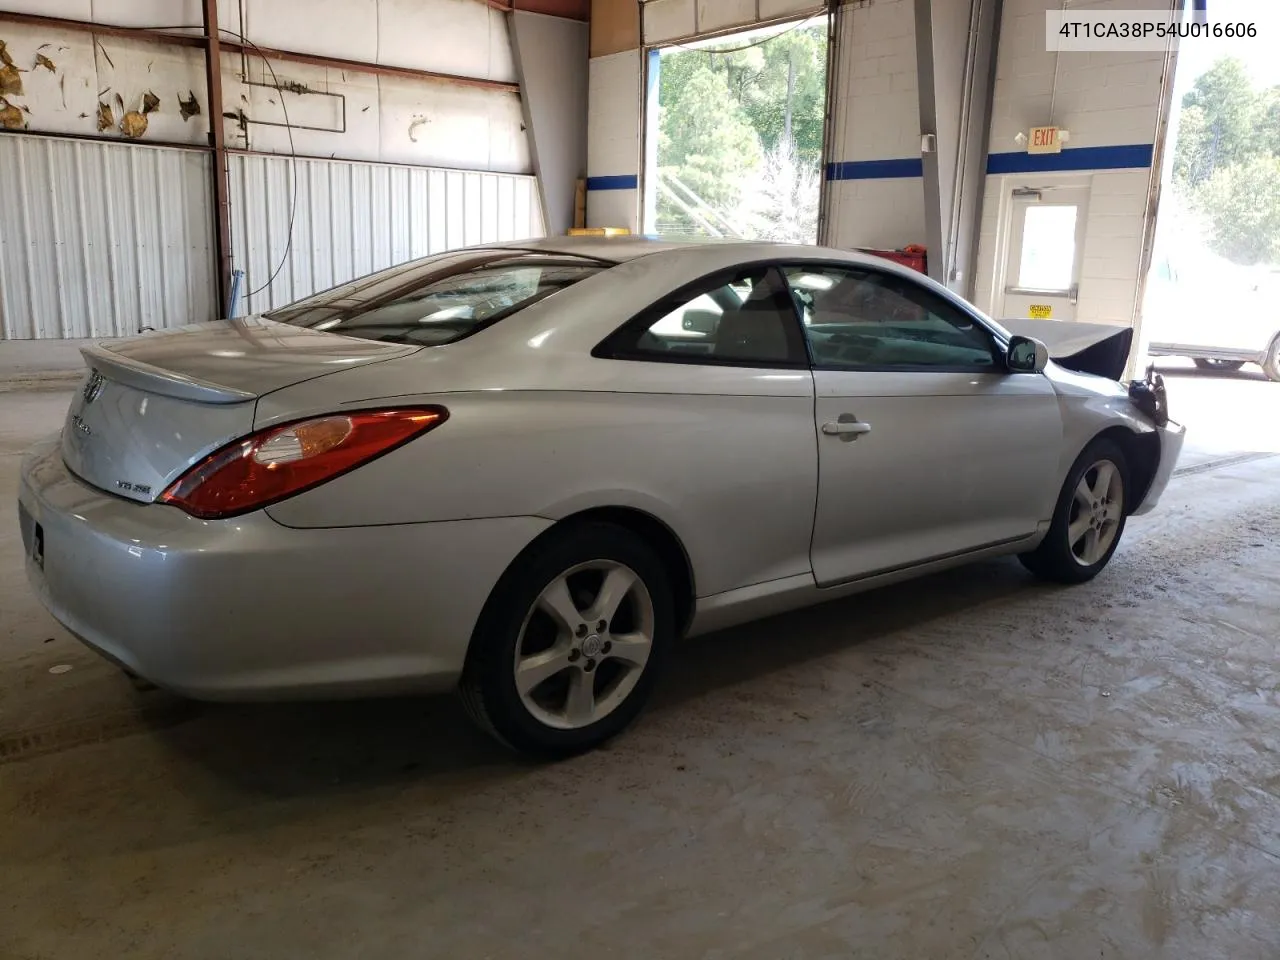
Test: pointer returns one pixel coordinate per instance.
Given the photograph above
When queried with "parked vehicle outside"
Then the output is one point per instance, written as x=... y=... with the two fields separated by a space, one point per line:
x=1214 y=312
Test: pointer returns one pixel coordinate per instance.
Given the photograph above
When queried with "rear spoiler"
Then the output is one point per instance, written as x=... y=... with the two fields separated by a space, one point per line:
x=1101 y=349
x=144 y=376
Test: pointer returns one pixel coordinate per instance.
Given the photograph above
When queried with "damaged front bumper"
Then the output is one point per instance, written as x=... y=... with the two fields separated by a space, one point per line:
x=1149 y=396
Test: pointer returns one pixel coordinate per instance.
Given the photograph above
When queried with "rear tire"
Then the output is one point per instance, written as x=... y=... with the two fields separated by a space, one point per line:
x=1219 y=365
x=570 y=642
x=1271 y=362
x=1089 y=518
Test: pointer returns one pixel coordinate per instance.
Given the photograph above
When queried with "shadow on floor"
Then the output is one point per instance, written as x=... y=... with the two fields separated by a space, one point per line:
x=313 y=749
x=1249 y=374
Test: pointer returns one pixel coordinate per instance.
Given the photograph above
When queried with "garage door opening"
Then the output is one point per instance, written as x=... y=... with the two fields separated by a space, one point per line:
x=1215 y=271
x=734 y=135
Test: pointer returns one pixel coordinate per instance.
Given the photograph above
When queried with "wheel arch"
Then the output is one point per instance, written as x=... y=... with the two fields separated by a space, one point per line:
x=1142 y=452
x=658 y=535
x=653 y=531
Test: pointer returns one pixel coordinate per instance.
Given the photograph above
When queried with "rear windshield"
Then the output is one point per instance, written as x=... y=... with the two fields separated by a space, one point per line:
x=438 y=300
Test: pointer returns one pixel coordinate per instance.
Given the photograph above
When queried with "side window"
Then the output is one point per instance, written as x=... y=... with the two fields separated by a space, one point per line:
x=867 y=320
x=744 y=317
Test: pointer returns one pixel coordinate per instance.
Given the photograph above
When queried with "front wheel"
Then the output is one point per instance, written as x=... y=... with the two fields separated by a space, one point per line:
x=1088 y=520
x=570 y=642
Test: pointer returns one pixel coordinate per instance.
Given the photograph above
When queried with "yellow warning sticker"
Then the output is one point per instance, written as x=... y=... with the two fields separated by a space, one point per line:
x=1041 y=311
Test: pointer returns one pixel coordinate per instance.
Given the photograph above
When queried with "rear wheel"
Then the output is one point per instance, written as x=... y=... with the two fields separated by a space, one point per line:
x=569 y=644
x=1221 y=365
x=1088 y=520
x=1271 y=363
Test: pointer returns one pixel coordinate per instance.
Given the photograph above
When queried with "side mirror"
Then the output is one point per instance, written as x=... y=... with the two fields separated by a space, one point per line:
x=1026 y=355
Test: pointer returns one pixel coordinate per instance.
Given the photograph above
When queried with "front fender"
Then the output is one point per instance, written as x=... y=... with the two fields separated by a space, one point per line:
x=1089 y=406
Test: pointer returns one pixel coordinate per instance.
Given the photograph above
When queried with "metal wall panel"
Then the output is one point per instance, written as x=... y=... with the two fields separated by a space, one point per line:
x=352 y=218
x=102 y=239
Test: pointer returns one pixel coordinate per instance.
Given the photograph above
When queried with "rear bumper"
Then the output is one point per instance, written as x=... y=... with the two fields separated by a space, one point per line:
x=248 y=609
x=1172 y=436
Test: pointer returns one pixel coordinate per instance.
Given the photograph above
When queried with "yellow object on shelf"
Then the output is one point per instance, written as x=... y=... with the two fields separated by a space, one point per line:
x=598 y=231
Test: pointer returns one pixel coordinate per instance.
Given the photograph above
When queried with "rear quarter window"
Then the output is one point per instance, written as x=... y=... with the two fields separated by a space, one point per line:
x=438 y=301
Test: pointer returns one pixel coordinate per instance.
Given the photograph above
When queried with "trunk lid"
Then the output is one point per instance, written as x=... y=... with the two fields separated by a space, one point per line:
x=152 y=406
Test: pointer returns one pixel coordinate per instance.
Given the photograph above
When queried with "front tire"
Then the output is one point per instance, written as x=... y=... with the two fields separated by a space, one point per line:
x=1088 y=520
x=570 y=643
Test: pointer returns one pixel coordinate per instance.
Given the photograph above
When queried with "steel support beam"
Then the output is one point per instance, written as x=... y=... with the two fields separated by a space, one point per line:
x=359 y=66
x=933 y=226
x=975 y=145
x=217 y=139
x=956 y=59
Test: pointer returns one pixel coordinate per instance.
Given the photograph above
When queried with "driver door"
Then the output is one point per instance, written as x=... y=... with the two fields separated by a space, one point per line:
x=927 y=446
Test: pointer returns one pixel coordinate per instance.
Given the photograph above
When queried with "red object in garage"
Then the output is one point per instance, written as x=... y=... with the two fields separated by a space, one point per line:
x=912 y=256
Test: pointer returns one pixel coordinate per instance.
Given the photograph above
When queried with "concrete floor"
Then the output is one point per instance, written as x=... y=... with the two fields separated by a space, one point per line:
x=970 y=766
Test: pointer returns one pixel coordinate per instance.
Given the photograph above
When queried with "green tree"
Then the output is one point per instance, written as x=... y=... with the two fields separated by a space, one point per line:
x=1220 y=120
x=1269 y=121
x=707 y=145
x=724 y=110
x=1227 y=162
x=783 y=200
x=1242 y=205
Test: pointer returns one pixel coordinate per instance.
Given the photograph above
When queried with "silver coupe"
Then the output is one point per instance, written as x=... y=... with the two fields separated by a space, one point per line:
x=526 y=470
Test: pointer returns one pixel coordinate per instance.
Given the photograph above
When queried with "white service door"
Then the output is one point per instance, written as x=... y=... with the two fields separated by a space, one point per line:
x=1044 y=253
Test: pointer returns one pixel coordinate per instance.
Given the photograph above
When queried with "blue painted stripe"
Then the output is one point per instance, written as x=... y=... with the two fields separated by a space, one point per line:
x=1135 y=155
x=625 y=181
x=876 y=169
x=1201 y=11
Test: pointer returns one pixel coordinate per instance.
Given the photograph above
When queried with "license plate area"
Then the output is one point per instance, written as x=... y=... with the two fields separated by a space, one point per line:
x=26 y=527
x=32 y=536
x=37 y=546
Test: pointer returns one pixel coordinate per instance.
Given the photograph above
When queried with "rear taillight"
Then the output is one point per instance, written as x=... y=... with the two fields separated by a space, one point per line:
x=282 y=461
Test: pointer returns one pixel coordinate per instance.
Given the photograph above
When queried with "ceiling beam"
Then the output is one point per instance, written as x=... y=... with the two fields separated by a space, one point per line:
x=240 y=45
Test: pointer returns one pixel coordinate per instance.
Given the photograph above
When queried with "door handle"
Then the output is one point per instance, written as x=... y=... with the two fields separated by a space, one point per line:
x=846 y=429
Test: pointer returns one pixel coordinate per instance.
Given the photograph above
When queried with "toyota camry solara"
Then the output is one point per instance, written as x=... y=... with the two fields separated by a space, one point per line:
x=525 y=470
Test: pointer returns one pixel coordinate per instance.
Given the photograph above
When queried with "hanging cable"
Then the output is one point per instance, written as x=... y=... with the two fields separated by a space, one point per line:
x=293 y=153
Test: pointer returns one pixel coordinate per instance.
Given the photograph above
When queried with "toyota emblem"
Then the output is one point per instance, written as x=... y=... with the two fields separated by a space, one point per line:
x=93 y=389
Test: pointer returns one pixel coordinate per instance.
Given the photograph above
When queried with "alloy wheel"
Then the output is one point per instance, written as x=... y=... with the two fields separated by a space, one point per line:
x=584 y=644
x=1096 y=511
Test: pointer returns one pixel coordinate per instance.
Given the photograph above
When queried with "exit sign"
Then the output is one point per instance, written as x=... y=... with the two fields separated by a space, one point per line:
x=1044 y=140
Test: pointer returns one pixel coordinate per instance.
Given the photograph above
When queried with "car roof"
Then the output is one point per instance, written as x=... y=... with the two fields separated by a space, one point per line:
x=609 y=249
x=622 y=249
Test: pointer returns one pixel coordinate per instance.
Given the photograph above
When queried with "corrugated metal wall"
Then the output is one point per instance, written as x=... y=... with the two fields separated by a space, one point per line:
x=353 y=218
x=102 y=239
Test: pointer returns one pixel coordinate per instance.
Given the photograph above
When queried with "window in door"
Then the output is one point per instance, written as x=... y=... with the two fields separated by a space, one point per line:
x=740 y=318
x=1048 y=247
x=867 y=320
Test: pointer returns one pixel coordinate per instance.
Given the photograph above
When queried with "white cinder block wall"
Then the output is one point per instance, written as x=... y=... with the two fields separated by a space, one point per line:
x=1110 y=104
x=875 y=183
